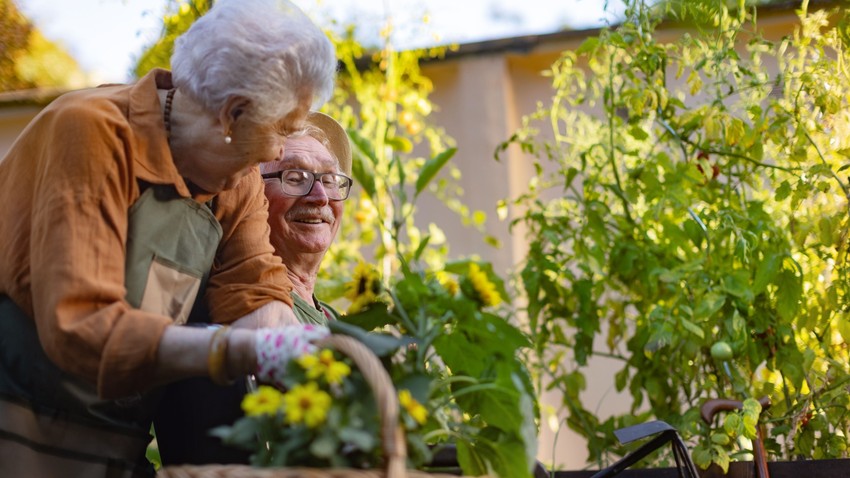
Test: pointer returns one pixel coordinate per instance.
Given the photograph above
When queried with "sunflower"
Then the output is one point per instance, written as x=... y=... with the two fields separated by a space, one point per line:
x=364 y=287
x=484 y=289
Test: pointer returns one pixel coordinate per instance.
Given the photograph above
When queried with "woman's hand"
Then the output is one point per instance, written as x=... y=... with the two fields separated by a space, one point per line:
x=275 y=348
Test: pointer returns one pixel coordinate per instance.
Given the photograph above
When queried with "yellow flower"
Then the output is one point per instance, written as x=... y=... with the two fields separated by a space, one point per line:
x=448 y=282
x=306 y=404
x=414 y=408
x=363 y=288
x=325 y=365
x=265 y=401
x=486 y=290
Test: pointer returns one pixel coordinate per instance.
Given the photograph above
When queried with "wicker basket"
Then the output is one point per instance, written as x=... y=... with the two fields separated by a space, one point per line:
x=392 y=436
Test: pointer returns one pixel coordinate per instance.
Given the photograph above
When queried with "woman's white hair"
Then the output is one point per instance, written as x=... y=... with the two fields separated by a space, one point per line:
x=268 y=51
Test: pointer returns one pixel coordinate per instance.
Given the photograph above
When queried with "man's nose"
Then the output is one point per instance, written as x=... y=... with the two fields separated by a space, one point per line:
x=318 y=192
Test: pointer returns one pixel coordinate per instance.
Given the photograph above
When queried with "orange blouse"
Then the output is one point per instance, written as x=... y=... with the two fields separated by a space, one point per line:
x=66 y=187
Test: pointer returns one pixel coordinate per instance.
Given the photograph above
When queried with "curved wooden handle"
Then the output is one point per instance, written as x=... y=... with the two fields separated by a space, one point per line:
x=392 y=436
x=710 y=408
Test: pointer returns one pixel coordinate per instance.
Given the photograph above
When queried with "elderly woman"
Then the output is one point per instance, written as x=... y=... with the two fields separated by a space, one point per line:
x=131 y=209
x=306 y=189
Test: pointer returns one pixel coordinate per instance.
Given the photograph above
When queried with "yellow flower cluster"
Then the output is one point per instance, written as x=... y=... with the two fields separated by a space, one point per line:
x=486 y=290
x=303 y=404
x=414 y=408
x=324 y=365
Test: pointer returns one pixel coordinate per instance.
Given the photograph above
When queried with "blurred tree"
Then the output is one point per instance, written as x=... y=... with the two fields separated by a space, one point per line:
x=27 y=59
x=179 y=16
x=15 y=32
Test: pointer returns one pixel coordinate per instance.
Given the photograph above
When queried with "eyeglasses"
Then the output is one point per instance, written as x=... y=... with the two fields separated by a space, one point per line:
x=299 y=182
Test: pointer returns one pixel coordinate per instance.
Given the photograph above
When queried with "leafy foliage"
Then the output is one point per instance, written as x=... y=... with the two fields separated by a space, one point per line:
x=382 y=98
x=178 y=18
x=688 y=196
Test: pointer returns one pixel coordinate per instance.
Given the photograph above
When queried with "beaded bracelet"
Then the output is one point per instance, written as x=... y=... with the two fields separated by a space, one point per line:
x=276 y=347
x=217 y=358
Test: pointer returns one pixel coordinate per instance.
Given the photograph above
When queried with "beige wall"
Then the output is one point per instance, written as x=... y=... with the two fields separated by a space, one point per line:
x=480 y=102
x=13 y=121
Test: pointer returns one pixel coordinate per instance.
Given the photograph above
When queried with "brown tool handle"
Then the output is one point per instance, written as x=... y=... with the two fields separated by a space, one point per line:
x=710 y=408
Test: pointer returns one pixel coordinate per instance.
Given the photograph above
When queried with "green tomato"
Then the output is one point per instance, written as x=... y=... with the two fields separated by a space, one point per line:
x=721 y=351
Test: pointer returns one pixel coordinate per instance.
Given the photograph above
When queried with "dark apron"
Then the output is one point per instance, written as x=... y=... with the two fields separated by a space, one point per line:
x=53 y=424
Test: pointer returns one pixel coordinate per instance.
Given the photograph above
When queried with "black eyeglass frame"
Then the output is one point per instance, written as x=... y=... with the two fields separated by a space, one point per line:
x=316 y=176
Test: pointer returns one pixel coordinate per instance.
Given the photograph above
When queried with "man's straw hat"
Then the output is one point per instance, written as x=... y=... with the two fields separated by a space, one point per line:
x=337 y=137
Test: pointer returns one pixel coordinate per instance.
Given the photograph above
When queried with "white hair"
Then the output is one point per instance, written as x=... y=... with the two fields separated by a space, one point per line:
x=265 y=50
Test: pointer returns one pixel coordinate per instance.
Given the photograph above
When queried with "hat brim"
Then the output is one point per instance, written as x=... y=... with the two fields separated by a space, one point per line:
x=337 y=137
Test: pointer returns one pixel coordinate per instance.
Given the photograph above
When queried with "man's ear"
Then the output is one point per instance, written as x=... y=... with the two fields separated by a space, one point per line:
x=233 y=109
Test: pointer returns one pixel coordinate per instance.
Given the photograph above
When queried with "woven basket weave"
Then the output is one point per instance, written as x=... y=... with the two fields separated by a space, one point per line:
x=392 y=436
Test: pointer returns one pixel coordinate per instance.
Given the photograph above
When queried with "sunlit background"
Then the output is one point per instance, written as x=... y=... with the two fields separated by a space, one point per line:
x=106 y=36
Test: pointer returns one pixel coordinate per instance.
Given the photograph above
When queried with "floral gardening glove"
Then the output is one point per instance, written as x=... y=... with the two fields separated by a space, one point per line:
x=277 y=346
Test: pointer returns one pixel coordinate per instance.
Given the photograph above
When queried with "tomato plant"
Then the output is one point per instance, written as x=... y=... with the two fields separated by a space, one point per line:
x=633 y=247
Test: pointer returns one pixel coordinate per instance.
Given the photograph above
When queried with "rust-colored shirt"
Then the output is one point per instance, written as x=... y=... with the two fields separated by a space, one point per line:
x=66 y=187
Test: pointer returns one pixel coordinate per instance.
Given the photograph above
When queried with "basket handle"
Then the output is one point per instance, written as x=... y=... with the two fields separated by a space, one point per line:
x=392 y=437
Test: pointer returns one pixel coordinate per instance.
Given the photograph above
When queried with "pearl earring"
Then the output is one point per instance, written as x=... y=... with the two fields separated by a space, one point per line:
x=227 y=139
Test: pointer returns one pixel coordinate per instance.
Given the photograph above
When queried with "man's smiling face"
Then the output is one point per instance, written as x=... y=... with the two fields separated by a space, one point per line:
x=306 y=224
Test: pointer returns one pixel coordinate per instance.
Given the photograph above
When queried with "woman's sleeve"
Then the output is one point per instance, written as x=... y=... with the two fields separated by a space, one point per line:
x=83 y=189
x=246 y=274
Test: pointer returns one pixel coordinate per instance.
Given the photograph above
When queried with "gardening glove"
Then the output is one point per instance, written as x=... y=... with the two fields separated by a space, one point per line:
x=277 y=346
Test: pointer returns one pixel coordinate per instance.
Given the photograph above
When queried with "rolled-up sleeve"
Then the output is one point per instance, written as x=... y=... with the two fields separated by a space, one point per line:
x=83 y=190
x=246 y=274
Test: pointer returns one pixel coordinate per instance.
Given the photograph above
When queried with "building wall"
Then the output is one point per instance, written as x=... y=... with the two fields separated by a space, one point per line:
x=12 y=122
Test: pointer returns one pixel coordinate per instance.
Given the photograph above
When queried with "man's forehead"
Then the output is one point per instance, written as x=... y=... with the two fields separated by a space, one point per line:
x=306 y=152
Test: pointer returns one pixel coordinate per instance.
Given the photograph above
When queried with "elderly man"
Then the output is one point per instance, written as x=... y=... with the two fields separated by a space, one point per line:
x=307 y=190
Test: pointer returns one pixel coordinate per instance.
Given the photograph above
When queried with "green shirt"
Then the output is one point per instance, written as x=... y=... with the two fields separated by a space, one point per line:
x=316 y=313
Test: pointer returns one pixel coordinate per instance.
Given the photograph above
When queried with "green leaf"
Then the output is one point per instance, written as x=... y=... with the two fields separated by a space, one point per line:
x=324 y=446
x=362 y=170
x=243 y=433
x=736 y=284
x=692 y=327
x=374 y=316
x=360 y=439
x=493 y=452
x=588 y=45
x=470 y=460
x=709 y=305
x=431 y=168
x=638 y=133
x=418 y=384
x=788 y=294
x=381 y=345
x=766 y=272
x=399 y=143
x=783 y=191
x=421 y=248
